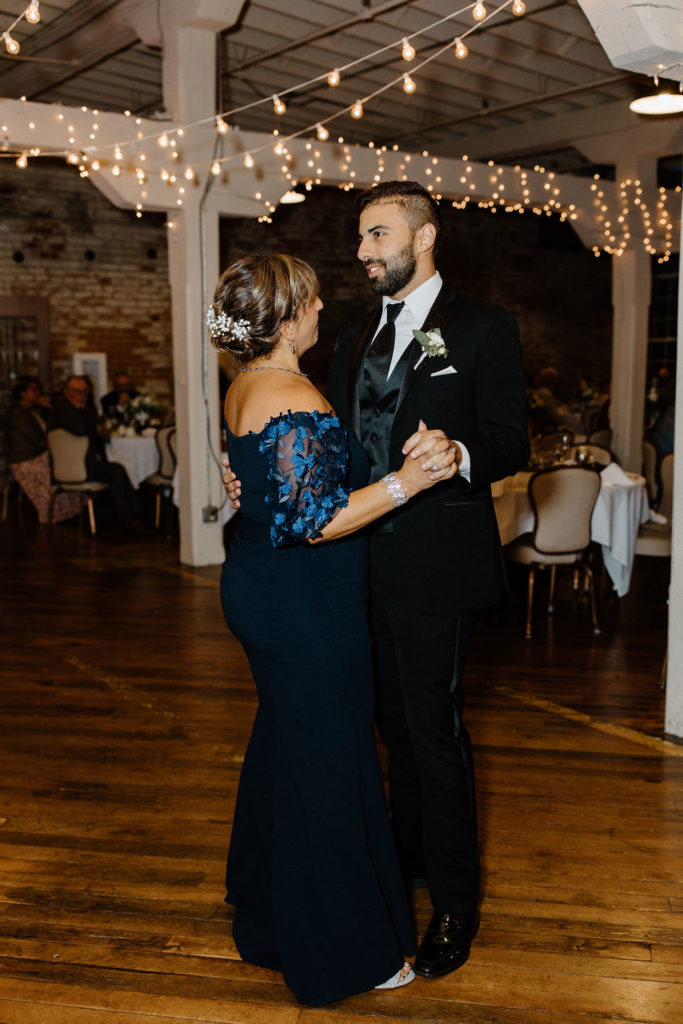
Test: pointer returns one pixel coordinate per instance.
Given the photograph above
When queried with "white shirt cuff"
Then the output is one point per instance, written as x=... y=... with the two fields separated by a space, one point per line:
x=465 y=466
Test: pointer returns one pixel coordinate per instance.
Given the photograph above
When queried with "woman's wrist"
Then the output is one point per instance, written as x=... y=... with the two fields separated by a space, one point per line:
x=396 y=489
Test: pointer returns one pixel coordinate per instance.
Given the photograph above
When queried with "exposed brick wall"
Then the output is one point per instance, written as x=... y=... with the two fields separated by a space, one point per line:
x=534 y=266
x=117 y=301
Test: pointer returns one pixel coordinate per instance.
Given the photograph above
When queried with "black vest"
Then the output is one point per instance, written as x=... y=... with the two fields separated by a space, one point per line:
x=377 y=401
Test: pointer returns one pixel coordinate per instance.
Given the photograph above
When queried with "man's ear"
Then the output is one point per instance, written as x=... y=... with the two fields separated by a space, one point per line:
x=425 y=237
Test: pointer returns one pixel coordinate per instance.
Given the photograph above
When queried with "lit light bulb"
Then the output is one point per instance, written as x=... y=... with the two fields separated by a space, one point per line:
x=32 y=14
x=221 y=126
x=278 y=106
x=215 y=167
x=73 y=158
x=461 y=50
x=118 y=155
x=95 y=165
x=479 y=11
x=408 y=50
x=248 y=160
x=116 y=170
x=22 y=161
x=164 y=174
x=334 y=78
x=357 y=109
x=322 y=132
x=11 y=45
x=189 y=174
x=163 y=141
x=408 y=84
x=518 y=8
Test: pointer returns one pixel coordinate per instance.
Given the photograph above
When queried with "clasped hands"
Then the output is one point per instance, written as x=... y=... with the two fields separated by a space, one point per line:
x=439 y=459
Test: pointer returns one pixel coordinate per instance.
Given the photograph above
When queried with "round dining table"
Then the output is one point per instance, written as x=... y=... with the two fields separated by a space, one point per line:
x=138 y=455
x=619 y=512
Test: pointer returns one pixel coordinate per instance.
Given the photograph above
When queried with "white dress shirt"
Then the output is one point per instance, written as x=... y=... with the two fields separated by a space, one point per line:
x=412 y=317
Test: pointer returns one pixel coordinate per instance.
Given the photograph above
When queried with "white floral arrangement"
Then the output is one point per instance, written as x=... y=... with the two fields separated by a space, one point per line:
x=431 y=342
x=139 y=414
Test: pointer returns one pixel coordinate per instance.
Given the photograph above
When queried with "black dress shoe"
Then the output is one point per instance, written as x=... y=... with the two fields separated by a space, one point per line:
x=446 y=945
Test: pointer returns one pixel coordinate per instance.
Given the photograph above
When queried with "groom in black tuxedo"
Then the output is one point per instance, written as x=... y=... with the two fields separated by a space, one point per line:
x=436 y=561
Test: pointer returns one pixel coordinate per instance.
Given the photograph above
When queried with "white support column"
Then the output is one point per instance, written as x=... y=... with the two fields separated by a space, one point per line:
x=189 y=79
x=673 y=719
x=631 y=283
x=196 y=385
x=631 y=289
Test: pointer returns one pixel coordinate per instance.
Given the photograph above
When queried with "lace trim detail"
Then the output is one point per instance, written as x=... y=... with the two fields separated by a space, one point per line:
x=308 y=457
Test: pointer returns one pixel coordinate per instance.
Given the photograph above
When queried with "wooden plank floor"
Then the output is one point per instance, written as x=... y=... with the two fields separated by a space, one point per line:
x=125 y=710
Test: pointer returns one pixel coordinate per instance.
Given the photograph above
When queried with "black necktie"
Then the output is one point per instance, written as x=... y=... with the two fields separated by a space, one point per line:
x=382 y=348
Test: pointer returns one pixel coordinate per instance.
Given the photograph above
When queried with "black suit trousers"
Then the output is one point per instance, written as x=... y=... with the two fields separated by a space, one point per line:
x=419 y=664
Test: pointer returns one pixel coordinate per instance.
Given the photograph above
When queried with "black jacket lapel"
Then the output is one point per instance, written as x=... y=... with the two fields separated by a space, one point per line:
x=439 y=316
x=355 y=362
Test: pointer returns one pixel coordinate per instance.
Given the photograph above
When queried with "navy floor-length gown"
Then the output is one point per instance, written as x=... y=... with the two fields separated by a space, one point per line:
x=312 y=870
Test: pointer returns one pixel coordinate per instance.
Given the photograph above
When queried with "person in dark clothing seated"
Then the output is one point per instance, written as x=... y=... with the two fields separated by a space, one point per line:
x=114 y=403
x=73 y=411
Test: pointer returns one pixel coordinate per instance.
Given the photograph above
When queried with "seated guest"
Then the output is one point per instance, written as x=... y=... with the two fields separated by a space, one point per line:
x=662 y=432
x=27 y=451
x=73 y=411
x=115 y=401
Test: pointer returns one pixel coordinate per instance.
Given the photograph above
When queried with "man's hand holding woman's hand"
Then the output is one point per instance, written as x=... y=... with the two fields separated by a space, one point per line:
x=429 y=458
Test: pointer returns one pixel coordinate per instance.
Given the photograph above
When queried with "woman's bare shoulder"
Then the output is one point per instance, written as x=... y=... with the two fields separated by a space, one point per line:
x=249 y=405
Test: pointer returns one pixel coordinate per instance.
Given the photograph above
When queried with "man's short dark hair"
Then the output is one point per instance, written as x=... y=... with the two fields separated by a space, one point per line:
x=420 y=207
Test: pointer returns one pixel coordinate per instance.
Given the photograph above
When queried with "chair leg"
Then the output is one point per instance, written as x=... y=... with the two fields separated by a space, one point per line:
x=530 y=601
x=91 y=514
x=594 y=608
x=157 y=514
x=575 y=584
x=551 y=607
x=55 y=492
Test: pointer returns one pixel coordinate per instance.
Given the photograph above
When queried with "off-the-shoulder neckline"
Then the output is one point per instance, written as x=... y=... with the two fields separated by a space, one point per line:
x=315 y=414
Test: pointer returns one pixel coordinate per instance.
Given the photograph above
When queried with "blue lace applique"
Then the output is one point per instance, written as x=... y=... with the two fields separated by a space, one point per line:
x=308 y=459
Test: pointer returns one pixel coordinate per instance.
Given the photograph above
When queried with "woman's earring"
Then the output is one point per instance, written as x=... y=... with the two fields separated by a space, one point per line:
x=291 y=345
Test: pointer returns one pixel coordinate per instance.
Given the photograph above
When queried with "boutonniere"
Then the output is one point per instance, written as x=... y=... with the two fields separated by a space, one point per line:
x=431 y=342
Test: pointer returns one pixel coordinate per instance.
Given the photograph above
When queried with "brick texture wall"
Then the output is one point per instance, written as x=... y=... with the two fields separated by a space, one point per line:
x=534 y=266
x=118 y=302
x=103 y=271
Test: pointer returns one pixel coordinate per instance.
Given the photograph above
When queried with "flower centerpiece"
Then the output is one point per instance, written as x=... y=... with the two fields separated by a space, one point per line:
x=139 y=414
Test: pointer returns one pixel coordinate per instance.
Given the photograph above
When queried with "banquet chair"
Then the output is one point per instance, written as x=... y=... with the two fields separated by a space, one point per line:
x=593 y=452
x=555 y=438
x=603 y=437
x=162 y=480
x=69 y=473
x=562 y=499
x=655 y=538
x=650 y=471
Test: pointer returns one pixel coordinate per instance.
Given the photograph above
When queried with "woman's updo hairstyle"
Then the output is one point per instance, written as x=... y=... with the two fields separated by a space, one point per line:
x=254 y=297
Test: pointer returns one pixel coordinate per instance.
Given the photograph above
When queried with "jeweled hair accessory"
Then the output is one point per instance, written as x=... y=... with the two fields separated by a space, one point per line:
x=221 y=325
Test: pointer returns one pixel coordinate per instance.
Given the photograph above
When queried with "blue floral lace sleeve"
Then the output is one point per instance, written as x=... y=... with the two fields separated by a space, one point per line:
x=308 y=459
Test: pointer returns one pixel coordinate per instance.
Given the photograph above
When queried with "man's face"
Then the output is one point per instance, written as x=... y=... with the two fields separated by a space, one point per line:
x=77 y=393
x=122 y=382
x=386 y=248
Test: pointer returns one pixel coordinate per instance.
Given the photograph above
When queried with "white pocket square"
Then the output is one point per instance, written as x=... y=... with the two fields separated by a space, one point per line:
x=442 y=373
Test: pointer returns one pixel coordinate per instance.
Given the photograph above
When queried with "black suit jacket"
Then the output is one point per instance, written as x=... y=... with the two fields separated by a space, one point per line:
x=448 y=536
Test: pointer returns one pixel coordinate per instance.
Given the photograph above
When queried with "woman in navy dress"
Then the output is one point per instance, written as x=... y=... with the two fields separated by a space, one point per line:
x=312 y=870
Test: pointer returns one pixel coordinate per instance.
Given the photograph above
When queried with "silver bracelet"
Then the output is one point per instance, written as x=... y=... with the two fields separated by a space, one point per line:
x=395 y=489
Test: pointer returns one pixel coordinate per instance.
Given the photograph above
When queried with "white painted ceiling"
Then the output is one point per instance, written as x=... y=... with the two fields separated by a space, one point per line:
x=508 y=100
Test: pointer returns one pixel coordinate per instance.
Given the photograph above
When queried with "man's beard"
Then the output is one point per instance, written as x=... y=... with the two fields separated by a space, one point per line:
x=399 y=272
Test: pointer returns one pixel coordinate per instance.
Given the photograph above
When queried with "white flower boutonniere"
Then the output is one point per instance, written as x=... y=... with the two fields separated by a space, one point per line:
x=432 y=343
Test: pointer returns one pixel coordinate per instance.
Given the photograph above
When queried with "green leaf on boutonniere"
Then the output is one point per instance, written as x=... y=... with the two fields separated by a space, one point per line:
x=431 y=342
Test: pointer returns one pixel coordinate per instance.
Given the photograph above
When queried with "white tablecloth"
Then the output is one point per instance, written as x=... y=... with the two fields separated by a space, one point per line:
x=138 y=455
x=617 y=516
